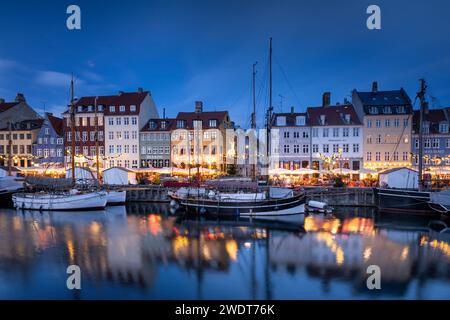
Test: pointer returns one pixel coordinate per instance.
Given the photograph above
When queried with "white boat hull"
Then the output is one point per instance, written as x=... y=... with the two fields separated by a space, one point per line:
x=60 y=202
x=116 y=197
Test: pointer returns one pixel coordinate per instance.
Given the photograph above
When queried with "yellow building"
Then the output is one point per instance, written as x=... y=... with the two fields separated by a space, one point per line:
x=387 y=118
x=199 y=138
x=20 y=136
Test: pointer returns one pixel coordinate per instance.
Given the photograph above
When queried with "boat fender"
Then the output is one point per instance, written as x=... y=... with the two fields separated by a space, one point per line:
x=317 y=204
x=202 y=210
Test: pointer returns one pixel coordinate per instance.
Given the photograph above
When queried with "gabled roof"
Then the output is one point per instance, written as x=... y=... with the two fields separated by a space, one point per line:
x=25 y=125
x=56 y=123
x=7 y=105
x=189 y=117
x=434 y=117
x=122 y=99
x=290 y=118
x=170 y=123
x=334 y=115
x=387 y=171
x=384 y=98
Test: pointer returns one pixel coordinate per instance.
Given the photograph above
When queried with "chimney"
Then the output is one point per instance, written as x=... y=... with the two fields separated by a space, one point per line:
x=198 y=106
x=2 y=100
x=375 y=87
x=326 y=99
x=140 y=90
x=20 y=97
x=292 y=109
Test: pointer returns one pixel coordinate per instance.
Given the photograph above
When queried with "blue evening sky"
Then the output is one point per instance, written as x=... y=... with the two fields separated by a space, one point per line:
x=189 y=50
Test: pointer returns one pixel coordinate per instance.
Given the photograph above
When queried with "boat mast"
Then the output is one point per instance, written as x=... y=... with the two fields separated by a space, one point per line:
x=10 y=149
x=96 y=141
x=254 y=116
x=423 y=111
x=72 y=127
x=269 y=110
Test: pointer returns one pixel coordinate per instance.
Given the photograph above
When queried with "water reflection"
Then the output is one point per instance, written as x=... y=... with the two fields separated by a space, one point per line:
x=145 y=252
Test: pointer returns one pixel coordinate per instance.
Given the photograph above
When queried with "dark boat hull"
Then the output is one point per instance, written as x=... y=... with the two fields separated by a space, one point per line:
x=403 y=201
x=272 y=207
x=6 y=199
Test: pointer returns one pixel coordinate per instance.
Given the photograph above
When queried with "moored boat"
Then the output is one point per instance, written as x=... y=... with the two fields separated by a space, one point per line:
x=67 y=201
x=116 y=197
x=272 y=202
x=8 y=186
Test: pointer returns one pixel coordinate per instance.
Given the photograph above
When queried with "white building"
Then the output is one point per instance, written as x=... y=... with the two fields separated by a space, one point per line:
x=336 y=136
x=125 y=114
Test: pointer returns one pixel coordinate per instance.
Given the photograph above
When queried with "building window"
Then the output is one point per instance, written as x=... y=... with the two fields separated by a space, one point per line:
x=118 y=121
x=369 y=139
x=286 y=134
x=355 y=147
x=397 y=122
x=369 y=123
x=133 y=108
x=325 y=148
x=92 y=136
x=286 y=148
x=377 y=156
x=378 y=123
x=315 y=148
x=296 y=148
x=335 y=148
x=378 y=139
x=281 y=121
x=443 y=128
x=122 y=108
x=386 y=156
x=356 y=132
x=126 y=121
x=435 y=143
x=85 y=136
x=387 y=110
x=134 y=148
x=300 y=120
x=213 y=123
x=69 y=136
x=315 y=132
x=112 y=109
x=405 y=122
x=373 y=110
x=296 y=134
x=396 y=156
x=306 y=148
x=111 y=121
x=405 y=156
x=401 y=109
x=325 y=133
x=335 y=132
x=447 y=143
x=345 y=148
x=387 y=123
x=427 y=143
x=305 y=134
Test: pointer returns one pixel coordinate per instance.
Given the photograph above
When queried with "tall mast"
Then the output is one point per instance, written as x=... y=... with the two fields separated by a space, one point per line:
x=97 y=164
x=269 y=110
x=423 y=111
x=10 y=149
x=72 y=127
x=254 y=96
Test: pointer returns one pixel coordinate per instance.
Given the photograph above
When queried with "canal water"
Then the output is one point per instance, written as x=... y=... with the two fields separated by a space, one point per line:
x=144 y=252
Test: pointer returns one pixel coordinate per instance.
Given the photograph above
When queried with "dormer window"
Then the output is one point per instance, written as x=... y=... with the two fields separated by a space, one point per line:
x=80 y=108
x=100 y=108
x=387 y=110
x=152 y=125
x=163 y=124
x=281 y=121
x=347 y=118
x=180 y=124
x=323 y=119
x=443 y=127
x=401 y=109
x=133 y=108
x=212 y=123
x=300 y=120
x=122 y=108
x=426 y=127
x=373 y=110
x=112 y=108
x=90 y=108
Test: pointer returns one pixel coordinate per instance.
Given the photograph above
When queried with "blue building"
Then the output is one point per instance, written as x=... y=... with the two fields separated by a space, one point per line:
x=49 y=146
x=436 y=139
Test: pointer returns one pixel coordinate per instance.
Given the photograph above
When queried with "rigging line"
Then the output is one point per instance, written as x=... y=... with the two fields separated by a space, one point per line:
x=288 y=82
x=404 y=128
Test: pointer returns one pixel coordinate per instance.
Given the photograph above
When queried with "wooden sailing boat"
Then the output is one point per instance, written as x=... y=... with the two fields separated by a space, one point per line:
x=238 y=198
x=71 y=199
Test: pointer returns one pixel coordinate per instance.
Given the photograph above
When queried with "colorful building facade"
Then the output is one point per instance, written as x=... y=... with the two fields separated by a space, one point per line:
x=155 y=143
x=49 y=147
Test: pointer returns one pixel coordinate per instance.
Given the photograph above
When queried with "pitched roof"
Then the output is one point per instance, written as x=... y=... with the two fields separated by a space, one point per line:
x=122 y=99
x=434 y=117
x=25 y=125
x=291 y=118
x=155 y=125
x=56 y=123
x=7 y=105
x=189 y=117
x=334 y=115
x=384 y=98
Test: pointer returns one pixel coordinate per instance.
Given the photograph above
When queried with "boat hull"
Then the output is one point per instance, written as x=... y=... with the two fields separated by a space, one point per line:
x=6 y=199
x=68 y=202
x=273 y=207
x=116 y=197
x=406 y=201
